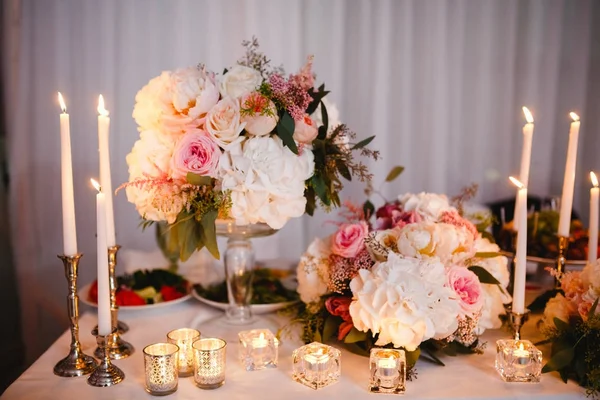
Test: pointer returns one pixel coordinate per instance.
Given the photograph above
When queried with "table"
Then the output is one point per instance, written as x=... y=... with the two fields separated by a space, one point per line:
x=463 y=377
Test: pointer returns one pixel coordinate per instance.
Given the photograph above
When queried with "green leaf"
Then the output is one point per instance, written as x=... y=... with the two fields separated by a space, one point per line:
x=488 y=236
x=311 y=205
x=355 y=336
x=394 y=173
x=322 y=133
x=198 y=180
x=430 y=356
x=487 y=254
x=368 y=209
x=324 y=117
x=559 y=360
x=209 y=234
x=317 y=336
x=561 y=325
x=483 y=275
x=321 y=189
x=363 y=143
x=343 y=169
x=593 y=309
x=285 y=131
x=539 y=304
x=356 y=349
x=331 y=327
x=188 y=237
x=412 y=357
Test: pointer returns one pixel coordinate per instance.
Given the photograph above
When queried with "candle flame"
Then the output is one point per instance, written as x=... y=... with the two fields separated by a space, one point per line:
x=521 y=348
x=61 y=101
x=261 y=336
x=101 y=109
x=528 y=115
x=96 y=185
x=319 y=351
x=594 y=179
x=516 y=182
x=574 y=116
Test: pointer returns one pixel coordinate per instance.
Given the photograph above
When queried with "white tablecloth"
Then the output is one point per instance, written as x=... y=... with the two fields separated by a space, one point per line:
x=463 y=377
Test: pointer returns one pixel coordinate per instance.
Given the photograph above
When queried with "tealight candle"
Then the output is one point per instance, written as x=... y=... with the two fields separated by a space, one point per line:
x=161 y=366
x=388 y=371
x=209 y=362
x=258 y=349
x=518 y=361
x=316 y=365
x=521 y=355
x=184 y=338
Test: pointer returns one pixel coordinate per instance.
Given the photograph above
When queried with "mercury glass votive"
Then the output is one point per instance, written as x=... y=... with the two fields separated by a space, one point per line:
x=209 y=362
x=316 y=365
x=161 y=366
x=388 y=371
x=258 y=349
x=518 y=361
x=184 y=338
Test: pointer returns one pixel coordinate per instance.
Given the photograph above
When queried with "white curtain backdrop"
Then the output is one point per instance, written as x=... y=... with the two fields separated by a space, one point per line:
x=441 y=84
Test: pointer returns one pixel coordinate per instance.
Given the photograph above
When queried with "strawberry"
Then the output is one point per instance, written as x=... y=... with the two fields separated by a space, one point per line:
x=170 y=293
x=127 y=297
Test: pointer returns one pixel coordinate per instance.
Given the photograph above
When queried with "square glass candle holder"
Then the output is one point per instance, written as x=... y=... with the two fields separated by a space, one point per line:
x=184 y=338
x=316 y=365
x=388 y=371
x=258 y=349
x=518 y=361
x=209 y=362
x=161 y=368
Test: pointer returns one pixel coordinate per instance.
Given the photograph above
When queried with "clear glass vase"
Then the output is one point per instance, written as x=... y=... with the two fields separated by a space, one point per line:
x=239 y=261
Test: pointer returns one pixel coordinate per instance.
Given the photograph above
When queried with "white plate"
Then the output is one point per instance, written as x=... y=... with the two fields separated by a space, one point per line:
x=84 y=291
x=256 y=308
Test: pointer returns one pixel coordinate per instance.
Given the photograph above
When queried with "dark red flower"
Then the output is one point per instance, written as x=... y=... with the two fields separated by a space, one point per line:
x=339 y=306
x=93 y=293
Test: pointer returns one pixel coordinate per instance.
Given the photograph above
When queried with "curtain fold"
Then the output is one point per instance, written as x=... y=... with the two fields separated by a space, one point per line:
x=441 y=84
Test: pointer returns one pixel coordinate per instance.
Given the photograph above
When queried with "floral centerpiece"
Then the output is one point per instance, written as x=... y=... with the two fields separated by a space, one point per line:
x=572 y=325
x=252 y=145
x=415 y=274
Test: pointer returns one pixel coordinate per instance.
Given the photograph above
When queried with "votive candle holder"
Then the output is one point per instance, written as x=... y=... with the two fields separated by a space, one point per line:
x=184 y=338
x=258 y=349
x=518 y=361
x=209 y=362
x=316 y=365
x=388 y=371
x=161 y=365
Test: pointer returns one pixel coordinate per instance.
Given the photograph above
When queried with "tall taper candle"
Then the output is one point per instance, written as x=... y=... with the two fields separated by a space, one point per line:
x=594 y=204
x=525 y=161
x=518 y=305
x=566 y=201
x=66 y=169
x=104 y=323
x=105 y=178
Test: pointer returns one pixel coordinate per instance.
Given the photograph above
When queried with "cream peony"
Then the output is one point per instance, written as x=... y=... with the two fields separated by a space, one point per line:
x=557 y=307
x=451 y=244
x=223 y=122
x=175 y=102
x=266 y=181
x=430 y=206
x=313 y=271
x=239 y=81
x=305 y=130
x=380 y=243
x=405 y=301
x=260 y=114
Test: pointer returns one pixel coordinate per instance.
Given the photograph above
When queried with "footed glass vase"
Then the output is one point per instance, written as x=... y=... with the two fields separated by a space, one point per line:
x=239 y=262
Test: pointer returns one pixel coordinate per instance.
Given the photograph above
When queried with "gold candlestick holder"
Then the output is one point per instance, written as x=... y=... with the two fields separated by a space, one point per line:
x=561 y=260
x=106 y=374
x=76 y=363
x=517 y=320
x=117 y=347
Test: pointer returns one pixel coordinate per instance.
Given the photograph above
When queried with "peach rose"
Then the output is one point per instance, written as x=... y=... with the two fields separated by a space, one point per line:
x=305 y=130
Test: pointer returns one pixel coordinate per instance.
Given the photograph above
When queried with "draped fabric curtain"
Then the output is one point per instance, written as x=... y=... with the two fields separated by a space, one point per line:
x=441 y=84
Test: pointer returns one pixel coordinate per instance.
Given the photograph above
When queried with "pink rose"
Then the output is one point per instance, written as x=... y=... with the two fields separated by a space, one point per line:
x=305 y=130
x=454 y=218
x=340 y=307
x=349 y=240
x=195 y=152
x=468 y=289
x=259 y=114
x=391 y=216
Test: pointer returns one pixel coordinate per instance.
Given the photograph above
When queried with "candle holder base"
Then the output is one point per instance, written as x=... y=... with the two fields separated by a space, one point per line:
x=75 y=364
x=117 y=347
x=106 y=374
x=518 y=361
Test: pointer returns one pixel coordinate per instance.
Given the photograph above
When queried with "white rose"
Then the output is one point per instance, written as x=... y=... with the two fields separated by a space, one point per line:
x=333 y=114
x=239 y=81
x=313 y=272
x=430 y=206
x=223 y=122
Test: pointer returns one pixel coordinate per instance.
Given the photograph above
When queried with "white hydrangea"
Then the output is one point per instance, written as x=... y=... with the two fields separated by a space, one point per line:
x=405 y=301
x=313 y=271
x=429 y=206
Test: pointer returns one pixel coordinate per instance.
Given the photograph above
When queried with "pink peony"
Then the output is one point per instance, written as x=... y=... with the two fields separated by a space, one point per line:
x=349 y=240
x=305 y=130
x=391 y=216
x=454 y=218
x=195 y=152
x=467 y=287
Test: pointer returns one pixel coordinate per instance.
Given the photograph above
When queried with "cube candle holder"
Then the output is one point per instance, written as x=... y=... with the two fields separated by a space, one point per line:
x=388 y=371
x=518 y=361
x=316 y=365
x=258 y=349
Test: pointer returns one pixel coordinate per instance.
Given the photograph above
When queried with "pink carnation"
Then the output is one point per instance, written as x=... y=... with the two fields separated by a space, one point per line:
x=195 y=152
x=349 y=240
x=468 y=289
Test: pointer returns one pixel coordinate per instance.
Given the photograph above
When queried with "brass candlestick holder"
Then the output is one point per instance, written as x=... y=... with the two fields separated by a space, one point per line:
x=517 y=320
x=76 y=363
x=561 y=260
x=106 y=374
x=117 y=347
